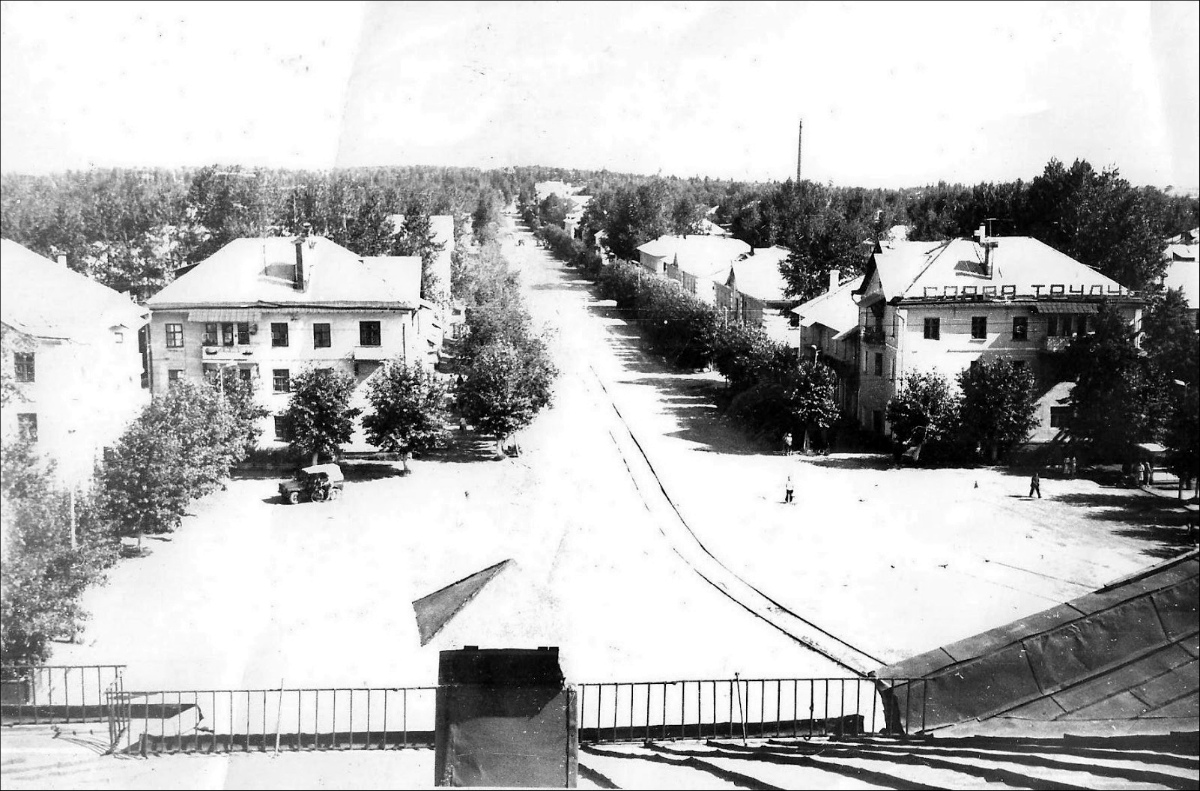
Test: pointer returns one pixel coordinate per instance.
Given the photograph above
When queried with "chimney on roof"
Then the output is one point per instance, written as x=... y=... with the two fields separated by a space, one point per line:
x=298 y=282
x=834 y=277
x=62 y=260
x=987 y=244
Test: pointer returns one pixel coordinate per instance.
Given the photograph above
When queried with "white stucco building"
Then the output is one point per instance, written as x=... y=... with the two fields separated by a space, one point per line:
x=941 y=306
x=265 y=309
x=697 y=262
x=70 y=346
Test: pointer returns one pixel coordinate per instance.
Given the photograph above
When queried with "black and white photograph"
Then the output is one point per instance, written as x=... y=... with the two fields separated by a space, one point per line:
x=657 y=395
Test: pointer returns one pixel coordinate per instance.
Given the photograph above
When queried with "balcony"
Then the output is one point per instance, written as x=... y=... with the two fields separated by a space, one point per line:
x=873 y=336
x=1056 y=343
x=227 y=354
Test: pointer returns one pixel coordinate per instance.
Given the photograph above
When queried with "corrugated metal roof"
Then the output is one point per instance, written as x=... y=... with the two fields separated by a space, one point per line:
x=1120 y=660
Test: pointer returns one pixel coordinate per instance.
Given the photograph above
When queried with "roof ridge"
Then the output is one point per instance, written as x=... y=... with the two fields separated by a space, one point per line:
x=944 y=246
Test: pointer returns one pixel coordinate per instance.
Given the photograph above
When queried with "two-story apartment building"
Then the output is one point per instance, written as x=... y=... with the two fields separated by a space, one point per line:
x=70 y=348
x=827 y=327
x=942 y=306
x=265 y=309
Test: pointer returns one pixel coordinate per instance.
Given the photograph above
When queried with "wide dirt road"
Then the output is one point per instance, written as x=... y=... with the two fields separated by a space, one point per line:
x=892 y=562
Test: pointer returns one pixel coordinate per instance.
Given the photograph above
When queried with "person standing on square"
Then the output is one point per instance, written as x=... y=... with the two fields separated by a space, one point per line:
x=1035 y=485
x=788 y=491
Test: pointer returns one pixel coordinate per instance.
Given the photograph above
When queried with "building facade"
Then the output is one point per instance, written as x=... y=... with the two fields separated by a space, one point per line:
x=70 y=350
x=267 y=309
x=942 y=306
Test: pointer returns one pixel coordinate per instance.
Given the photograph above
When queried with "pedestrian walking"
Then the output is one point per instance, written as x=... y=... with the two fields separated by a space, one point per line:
x=787 y=443
x=1035 y=485
x=788 y=491
x=1150 y=473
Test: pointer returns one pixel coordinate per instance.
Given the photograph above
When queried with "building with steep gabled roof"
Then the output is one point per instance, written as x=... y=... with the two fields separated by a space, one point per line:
x=70 y=348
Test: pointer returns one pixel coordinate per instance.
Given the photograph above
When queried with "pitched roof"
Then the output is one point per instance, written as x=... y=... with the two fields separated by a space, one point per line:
x=261 y=270
x=835 y=309
x=906 y=269
x=1122 y=659
x=44 y=298
x=703 y=256
x=1185 y=275
x=758 y=274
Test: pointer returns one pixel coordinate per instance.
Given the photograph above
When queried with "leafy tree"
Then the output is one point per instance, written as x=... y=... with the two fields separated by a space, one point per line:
x=1118 y=397
x=144 y=481
x=44 y=576
x=999 y=406
x=686 y=216
x=739 y=354
x=319 y=415
x=245 y=411
x=554 y=209
x=416 y=238
x=925 y=410
x=1171 y=341
x=505 y=386
x=485 y=220
x=408 y=408
x=637 y=215
x=809 y=393
x=1182 y=436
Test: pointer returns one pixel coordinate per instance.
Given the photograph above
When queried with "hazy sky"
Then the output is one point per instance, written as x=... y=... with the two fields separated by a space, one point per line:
x=891 y=94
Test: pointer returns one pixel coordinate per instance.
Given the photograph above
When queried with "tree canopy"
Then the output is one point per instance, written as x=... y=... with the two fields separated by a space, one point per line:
x=319 y=416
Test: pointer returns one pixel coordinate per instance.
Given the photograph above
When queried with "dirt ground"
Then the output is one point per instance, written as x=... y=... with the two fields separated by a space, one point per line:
x=254 y=593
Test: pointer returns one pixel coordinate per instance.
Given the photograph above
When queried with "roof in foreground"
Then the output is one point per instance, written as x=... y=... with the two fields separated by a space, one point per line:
x=261 y=271
x=912 y=270
x=46 y=299
x=1121 y=660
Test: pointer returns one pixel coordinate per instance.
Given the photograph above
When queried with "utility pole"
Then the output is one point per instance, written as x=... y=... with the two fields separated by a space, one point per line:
x=71 y=506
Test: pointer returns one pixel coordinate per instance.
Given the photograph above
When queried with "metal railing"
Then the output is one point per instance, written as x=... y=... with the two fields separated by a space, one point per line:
x=743 y=709
x=241 y=720
x=52 y=694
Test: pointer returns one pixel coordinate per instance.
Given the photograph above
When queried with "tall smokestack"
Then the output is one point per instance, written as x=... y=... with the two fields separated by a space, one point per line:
x=799 y=150
x=298 y=283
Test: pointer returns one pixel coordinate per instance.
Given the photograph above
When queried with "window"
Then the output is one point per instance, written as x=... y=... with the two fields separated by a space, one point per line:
x=210 y=335
x=212 y=373
x=1020 y=328
x=1060 y=416
x=279 y=334
x=281 y=429
x=173 y=375
x=1081 y=326
x=23 y=365
x=243 y=333
x=27 y=427
x=1066 y=326
x=933 y=329
x=1019 y=364
x=227 y=334
x=281 y=380
x=1052 y=326
x=368 y=333
x=878 y=364
x=877 y=421
x=321 y=336
x=119 y=337
x=245 y=374
x=979 y=327
x=174 y=336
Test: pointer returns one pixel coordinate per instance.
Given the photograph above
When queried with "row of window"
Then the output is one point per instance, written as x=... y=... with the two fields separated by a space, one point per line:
x=1055 y=325
x=370 y=333
x=879 y=364
x=27 y=427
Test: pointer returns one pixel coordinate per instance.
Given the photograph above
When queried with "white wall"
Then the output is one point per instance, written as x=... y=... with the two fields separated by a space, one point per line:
x=84 y=395
x=401 y=336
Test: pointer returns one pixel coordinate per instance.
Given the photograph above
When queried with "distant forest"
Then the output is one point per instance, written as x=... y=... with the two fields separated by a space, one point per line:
x=131 y=229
